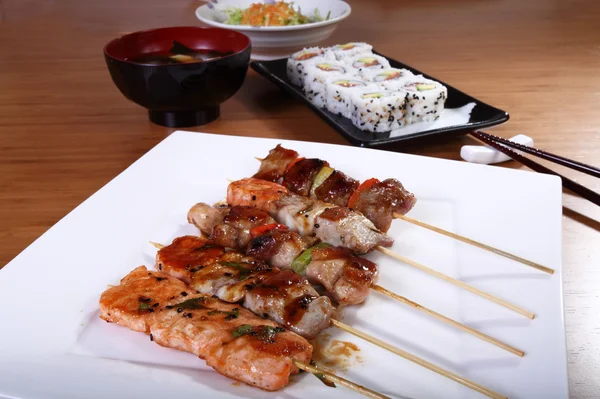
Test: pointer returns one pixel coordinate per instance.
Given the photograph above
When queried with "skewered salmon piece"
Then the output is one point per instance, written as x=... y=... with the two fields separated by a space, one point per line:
x=137 y=297
x=187 y=254
x=232 y=340
x=332 y=224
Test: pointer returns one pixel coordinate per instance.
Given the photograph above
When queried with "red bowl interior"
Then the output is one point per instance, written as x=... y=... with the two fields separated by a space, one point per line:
x=199 y=38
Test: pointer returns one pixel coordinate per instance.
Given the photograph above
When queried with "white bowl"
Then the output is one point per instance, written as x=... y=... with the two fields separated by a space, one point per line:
x=272 y=42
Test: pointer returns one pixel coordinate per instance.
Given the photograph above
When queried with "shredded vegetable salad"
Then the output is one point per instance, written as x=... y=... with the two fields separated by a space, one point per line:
x=277 y=13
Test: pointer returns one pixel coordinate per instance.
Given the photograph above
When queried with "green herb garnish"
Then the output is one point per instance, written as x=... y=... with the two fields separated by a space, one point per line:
x=241 y=330
x=302 y=261
x=243 y=270
x=191 y=304
x=143 y=306
x=267 y=333
x=321 y=377
x=263 y=333
x=228 y=315
x=206 y=246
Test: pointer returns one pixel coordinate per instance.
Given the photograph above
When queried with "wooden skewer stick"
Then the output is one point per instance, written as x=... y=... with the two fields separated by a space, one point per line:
x=157 y=245
x=447 y=320
x=339 y=380
x=467 y=240
x=474 y=243
x=417 y=360
x=456 y=282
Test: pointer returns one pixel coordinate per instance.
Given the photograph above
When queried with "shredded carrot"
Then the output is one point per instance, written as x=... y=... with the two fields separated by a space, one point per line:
x=261 y=14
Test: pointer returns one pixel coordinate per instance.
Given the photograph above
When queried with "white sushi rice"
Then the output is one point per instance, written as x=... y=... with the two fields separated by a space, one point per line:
x=378 y=110
x=349 y=80
x=297 y=63
x=315 y=79
x=338 y=95
x=347 y=50
x=367 y=62
x=425 y=100
x=389 y=78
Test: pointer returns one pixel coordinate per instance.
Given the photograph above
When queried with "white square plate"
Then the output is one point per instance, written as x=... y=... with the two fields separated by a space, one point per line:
x=52 y=344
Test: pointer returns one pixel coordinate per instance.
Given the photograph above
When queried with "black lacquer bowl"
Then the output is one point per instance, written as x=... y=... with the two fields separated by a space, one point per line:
x=179 y=95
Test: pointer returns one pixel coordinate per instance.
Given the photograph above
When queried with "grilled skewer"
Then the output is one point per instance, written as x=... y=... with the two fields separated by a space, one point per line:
x=332 y=224
x=346 y=278
x=243 y=347
x=282 y=296
x=379 y=201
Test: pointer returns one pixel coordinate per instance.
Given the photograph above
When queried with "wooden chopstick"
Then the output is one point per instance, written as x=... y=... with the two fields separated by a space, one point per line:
x=566 y=182
x=569 y=163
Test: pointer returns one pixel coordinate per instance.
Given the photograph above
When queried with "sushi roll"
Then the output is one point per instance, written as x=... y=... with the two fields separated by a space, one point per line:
x=363 y=63
x=347 y=50
x=316 y=76
x=297 y=63
x=389 y=78
x=425 y=100
x=338 y=95
x=378 y=110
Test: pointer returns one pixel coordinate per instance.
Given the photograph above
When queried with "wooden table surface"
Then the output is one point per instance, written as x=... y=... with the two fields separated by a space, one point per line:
x=65 y=130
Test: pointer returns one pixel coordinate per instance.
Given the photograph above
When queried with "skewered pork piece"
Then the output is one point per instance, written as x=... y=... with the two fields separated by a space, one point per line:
x=232 y=340
x=338 y=226
x=345 y=277
x=314 y=178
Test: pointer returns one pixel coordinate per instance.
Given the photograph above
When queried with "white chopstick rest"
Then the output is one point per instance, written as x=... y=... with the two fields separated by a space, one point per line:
x=487 y=155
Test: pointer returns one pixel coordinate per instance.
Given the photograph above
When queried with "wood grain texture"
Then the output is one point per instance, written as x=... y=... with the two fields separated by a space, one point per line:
x=65 y=130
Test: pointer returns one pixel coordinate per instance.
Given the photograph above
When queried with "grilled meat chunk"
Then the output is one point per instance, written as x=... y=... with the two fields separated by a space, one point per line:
x=336 y=189
x=235 y=230
x=273 y=167
x=299 y=178
x=231 y=277
x=279 y=248
x=380 y=201
x=205 y=217
x=345 y=277
x=344 y=227
x=291 y=301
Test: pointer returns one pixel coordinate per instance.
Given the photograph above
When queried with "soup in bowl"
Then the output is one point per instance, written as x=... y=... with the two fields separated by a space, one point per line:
x=180 y=74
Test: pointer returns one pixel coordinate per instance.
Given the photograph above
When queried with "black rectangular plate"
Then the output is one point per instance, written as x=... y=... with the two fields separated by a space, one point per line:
x=482 y=116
